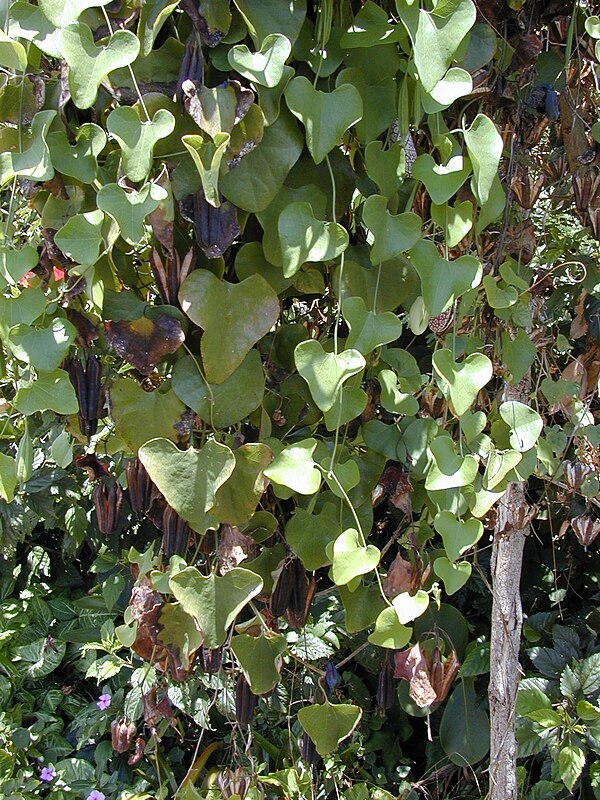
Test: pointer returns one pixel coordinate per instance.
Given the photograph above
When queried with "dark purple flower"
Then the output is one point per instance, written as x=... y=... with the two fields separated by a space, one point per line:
x=47 y=774
x=103 y=702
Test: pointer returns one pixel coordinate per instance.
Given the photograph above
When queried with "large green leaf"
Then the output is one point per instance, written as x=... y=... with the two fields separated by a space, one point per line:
x=260 y=659
x=449 y=470
x=62 y=12
x=179 y=634
x=379 y=104
x=50 y=390
x=295 y=468
x=80 y=238
x=33 y=160
x=304 y=238
x=207 y=155
x=368 y=329
x=137 y=137
x=78 y=160
x=393 y=233
x=233 y=317
x=43 y=348
x=465 y=726
x=350 y=558
x=264 y=17
x=524 y=422
x=484 y=145
x=459 y=535
x=90 y=64
x=326 y=116
x=129 y=209
x=14 y=264
x=189 y=479
x=443 y=281
x=453 y=574
x=370 y=27
x=442 y=181
x=309 y=534
x=389 y=631
x=237 y=498
x=264 y=67
x=325 y=373
x=462 y=381
x=8 y=477
x=328 y=724
x=214 y=601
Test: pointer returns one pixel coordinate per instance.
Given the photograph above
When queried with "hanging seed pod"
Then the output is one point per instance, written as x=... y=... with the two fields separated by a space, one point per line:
x=121 y=734
x=282 y=590
x=245 y=701
x=170 y=274
x=233 y=783
x=108 y=500
x=141 y=489
x=211 y=660
x=307 y=748
x=301 y=599
x=192 y=66
x=216 y=228
x=176 y=533
x=87 y=382
x=386 y=686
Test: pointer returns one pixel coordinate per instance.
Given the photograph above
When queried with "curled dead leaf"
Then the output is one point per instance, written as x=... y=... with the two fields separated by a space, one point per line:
x=143 y=342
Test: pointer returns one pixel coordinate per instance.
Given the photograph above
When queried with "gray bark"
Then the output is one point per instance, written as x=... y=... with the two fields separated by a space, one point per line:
x=507 y=557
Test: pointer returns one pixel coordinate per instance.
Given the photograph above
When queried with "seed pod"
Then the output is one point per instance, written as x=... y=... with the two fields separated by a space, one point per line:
x=245 y=701
x=108 y=500
x=141 y=489
x=176 y=533
x=87 y=382
x=211 y=660
x=301 y=600
x=233 y=783
x=282 y=590
x=386 y=687
x=170 y=274
x=307 y=748
x=121 y=734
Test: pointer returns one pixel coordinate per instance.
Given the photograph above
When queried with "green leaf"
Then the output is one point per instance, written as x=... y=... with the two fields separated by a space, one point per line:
x=153 y=15
x=408 y=607
x=140 y=416
x=456 y=83
x=524 y=422
x=442 y=181
x=443 y=281
x=30 y=23
x=476 y=660
x=221 y=404
x=454 y=575
x=129 y=209
x=349 y=558
x=571 y=761
x=518 y=354
x=178 y=633
x=449 y=470
x=260 y=659
x=14 y=264
x=462 y=381
x=500 y=463
x=393 y=399
x=385 y=167
x=233 y=317
x=456 y=221
x=499 y=295
x=62 y=12
x=435 y=38
x=44 y=348
x=325 y=373
x=8 y=477
x=25 y=308
x=378 y=98
x=256 y=180
x=189 y=479
x=207 y=156
x=458 y=535
x=264 y=17
x=304 y=238
x=295 y=468
x=33 y=161
x=465 y=727
x=326 y=116
x=50 y=390
x=137 y=138
x=309 y=534
x=214 y=602
x=89 y=64
x=13 y=55
x=369 y=330
x=592 y=27
x=352 y=400
x=237 y=498
x=327 y=724
x=78 y=160
x=61 y=451
x=80 y=238
x=484 y=145
x=389 y=631
x=264 y=67
x=393 y=234
x=370 y=27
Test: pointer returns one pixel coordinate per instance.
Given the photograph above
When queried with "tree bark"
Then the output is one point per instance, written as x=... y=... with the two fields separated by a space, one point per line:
x=507 y=557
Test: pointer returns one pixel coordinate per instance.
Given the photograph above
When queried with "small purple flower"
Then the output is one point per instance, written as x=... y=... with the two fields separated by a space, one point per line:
x=103 y=702
x=47 y=774
x=95 y=795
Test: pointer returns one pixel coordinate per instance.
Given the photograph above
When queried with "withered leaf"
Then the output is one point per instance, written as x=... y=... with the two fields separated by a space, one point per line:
x=95 y=468
x=145 y=606
x=143 y=341
x=411 y=665
x=399 y=578
x=234 y=547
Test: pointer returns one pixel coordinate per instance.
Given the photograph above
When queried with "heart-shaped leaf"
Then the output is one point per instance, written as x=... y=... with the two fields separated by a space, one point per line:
x=449 y=470
x=236 y=500
x=524 y=422
x=443 y=281
x=410 y=606
x=295 y=468
x=189 y=479
x=499 y=294
x=260 y=659
x=484 y=145
x=326 y=116
x=179 y=635
x=49 y=391
x=500 y=463
x=129 y=209
x=15 y=264
x=328 y=724
x=349 y=558
x=33 y=160
x=456 y=83
x=213 y=601
x=458 y=535
x=139 y=415
x=378 y=98
x=80 y=238
x=137 y=138
x=309 y=534
x=207 y=155
x=45 y=348
x=370 y=27
x=221 y=404
x=62 y=12
x=78 y=160
x=442 y=181
x=90 y=64
x=265 y=16
x=393 y=399
x=368 y=330
x=435 y=37
x=303 y=237
x=233 y=316
x=264 y=67
x=393 y=234
x=8 y=478
x=352 y=400
x=454 y=575
x=456 y=221
x=325 y=373
x=463 y=381
x=385 y=167
x=389 y=631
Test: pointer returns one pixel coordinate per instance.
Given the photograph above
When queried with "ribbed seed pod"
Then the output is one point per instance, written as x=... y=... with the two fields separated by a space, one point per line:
x=245 y=701
x=386 y=686
x=108 y=500
x=176 y=533
x=211 y=660
x=307 y=748
x=282 y=590
x=141 y=489
x=87 y=382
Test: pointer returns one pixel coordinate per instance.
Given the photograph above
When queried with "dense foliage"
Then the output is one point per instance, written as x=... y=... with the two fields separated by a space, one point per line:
x=266 y=269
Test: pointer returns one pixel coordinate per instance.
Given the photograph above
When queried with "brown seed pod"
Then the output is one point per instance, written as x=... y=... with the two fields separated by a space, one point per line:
x=108 y=501
x=140 y=486
x=122 y=734
x=245 y=701
x=176 y=533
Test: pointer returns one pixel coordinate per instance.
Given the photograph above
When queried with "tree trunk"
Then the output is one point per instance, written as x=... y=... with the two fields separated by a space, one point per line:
x=507 y=556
